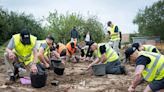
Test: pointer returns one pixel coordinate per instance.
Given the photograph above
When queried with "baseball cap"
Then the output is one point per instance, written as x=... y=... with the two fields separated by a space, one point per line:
x=25 y=35
x=109 y=23
x=136 y=45
x=129 y=52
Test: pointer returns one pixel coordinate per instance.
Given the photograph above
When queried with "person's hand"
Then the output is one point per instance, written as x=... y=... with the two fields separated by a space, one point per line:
x=12 y=56
x=63 y=62
x=34 y=68
x=131 y=89
x=74 y=60
x=47 y=65
x=100 y=62
x=89 y=66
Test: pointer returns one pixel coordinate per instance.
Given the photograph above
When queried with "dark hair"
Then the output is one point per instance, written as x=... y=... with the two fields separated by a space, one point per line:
x=109 y=23
x=136 y=45
x=72 y=44
x=50 y=37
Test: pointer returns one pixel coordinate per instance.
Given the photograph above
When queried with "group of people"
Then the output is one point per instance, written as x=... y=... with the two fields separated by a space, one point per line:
x=25 y=54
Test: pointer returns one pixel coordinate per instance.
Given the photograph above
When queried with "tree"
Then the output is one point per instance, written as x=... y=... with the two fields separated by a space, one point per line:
x=151 y=20
x=12 y=22
x=60 y=26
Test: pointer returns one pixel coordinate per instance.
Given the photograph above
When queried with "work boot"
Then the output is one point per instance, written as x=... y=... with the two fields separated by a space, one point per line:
x=12 y=78
x=123 y=70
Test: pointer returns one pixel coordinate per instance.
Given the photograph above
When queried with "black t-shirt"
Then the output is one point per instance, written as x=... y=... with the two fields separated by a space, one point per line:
x=143 y=60
x=154 y=50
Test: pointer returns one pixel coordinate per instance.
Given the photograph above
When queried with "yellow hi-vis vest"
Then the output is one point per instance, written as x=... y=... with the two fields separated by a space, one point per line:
x=46 y=50
x=24 y=52
x=155 y=69
x=149 y=48
x=110 y=53
x=115 y=36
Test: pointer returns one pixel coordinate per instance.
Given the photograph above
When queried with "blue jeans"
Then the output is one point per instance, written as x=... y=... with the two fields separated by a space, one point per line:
x=113 y=67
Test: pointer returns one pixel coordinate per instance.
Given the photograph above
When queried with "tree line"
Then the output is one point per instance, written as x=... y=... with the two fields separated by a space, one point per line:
x=59 y=25
x=150 y=20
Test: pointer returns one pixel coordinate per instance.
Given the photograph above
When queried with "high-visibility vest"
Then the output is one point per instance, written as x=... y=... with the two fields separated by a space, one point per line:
x=115 y=36
x=110 y=53
x=155 y=69
x=24 y=52
x=61 y=48
x=149 y=48
x=70 y=50
x=46 y=50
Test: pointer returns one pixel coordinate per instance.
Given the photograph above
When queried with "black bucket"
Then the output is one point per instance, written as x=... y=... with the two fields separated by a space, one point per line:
x=58 y=67
x=99 y=69
x=38 y=80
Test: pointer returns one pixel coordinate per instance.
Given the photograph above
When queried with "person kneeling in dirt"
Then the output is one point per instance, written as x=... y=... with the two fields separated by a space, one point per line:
x=105 y=54
x=149 y=48
x=149 y=66
x=71 y=48
x=86 y=54
x=21 y=55
x=58 y=52
x=44 y=50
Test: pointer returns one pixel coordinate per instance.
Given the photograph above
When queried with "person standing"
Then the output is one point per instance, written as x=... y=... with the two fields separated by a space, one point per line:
x=87 y=38
x=115 y=35
x=74 y=34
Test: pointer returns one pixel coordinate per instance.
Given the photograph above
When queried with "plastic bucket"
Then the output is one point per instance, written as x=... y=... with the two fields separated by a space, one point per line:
x=58 y=67
x=99 y=69
x=38 y=80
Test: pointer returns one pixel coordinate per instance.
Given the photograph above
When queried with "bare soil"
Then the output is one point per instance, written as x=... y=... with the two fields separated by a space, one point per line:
x=74 y=80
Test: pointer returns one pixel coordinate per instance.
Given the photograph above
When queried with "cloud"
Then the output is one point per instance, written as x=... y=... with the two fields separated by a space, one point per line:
x=121 y=12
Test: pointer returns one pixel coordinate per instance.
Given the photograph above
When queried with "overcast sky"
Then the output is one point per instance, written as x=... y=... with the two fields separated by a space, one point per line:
x=120 y=12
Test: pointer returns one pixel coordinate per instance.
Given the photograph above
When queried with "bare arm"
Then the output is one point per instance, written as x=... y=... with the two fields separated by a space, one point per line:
x=8 y=50
x=35 y=55
x=94 y=62
x=41 y=55
x=138 y=76
x=57 y=55
x=103 y=58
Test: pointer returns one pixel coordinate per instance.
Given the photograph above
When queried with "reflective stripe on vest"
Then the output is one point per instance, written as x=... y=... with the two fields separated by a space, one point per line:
x=114 y=36
x=160 y=69
x=155 y=69
x=151 y=69
x=24 y=52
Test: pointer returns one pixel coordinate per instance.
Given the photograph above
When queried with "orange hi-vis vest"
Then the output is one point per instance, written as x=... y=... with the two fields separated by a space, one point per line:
x=61 y=48
x=70 y=50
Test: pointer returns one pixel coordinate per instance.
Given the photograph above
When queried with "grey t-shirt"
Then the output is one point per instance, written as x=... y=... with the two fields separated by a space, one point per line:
x=11 y=44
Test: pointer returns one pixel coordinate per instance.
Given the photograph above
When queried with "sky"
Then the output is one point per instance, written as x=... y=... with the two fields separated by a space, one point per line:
x=120 y=12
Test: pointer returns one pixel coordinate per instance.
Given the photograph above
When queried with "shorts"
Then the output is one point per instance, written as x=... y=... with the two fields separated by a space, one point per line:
x=157 y=85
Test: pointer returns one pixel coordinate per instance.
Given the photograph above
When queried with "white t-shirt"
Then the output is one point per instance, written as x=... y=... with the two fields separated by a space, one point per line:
x=87 y=38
